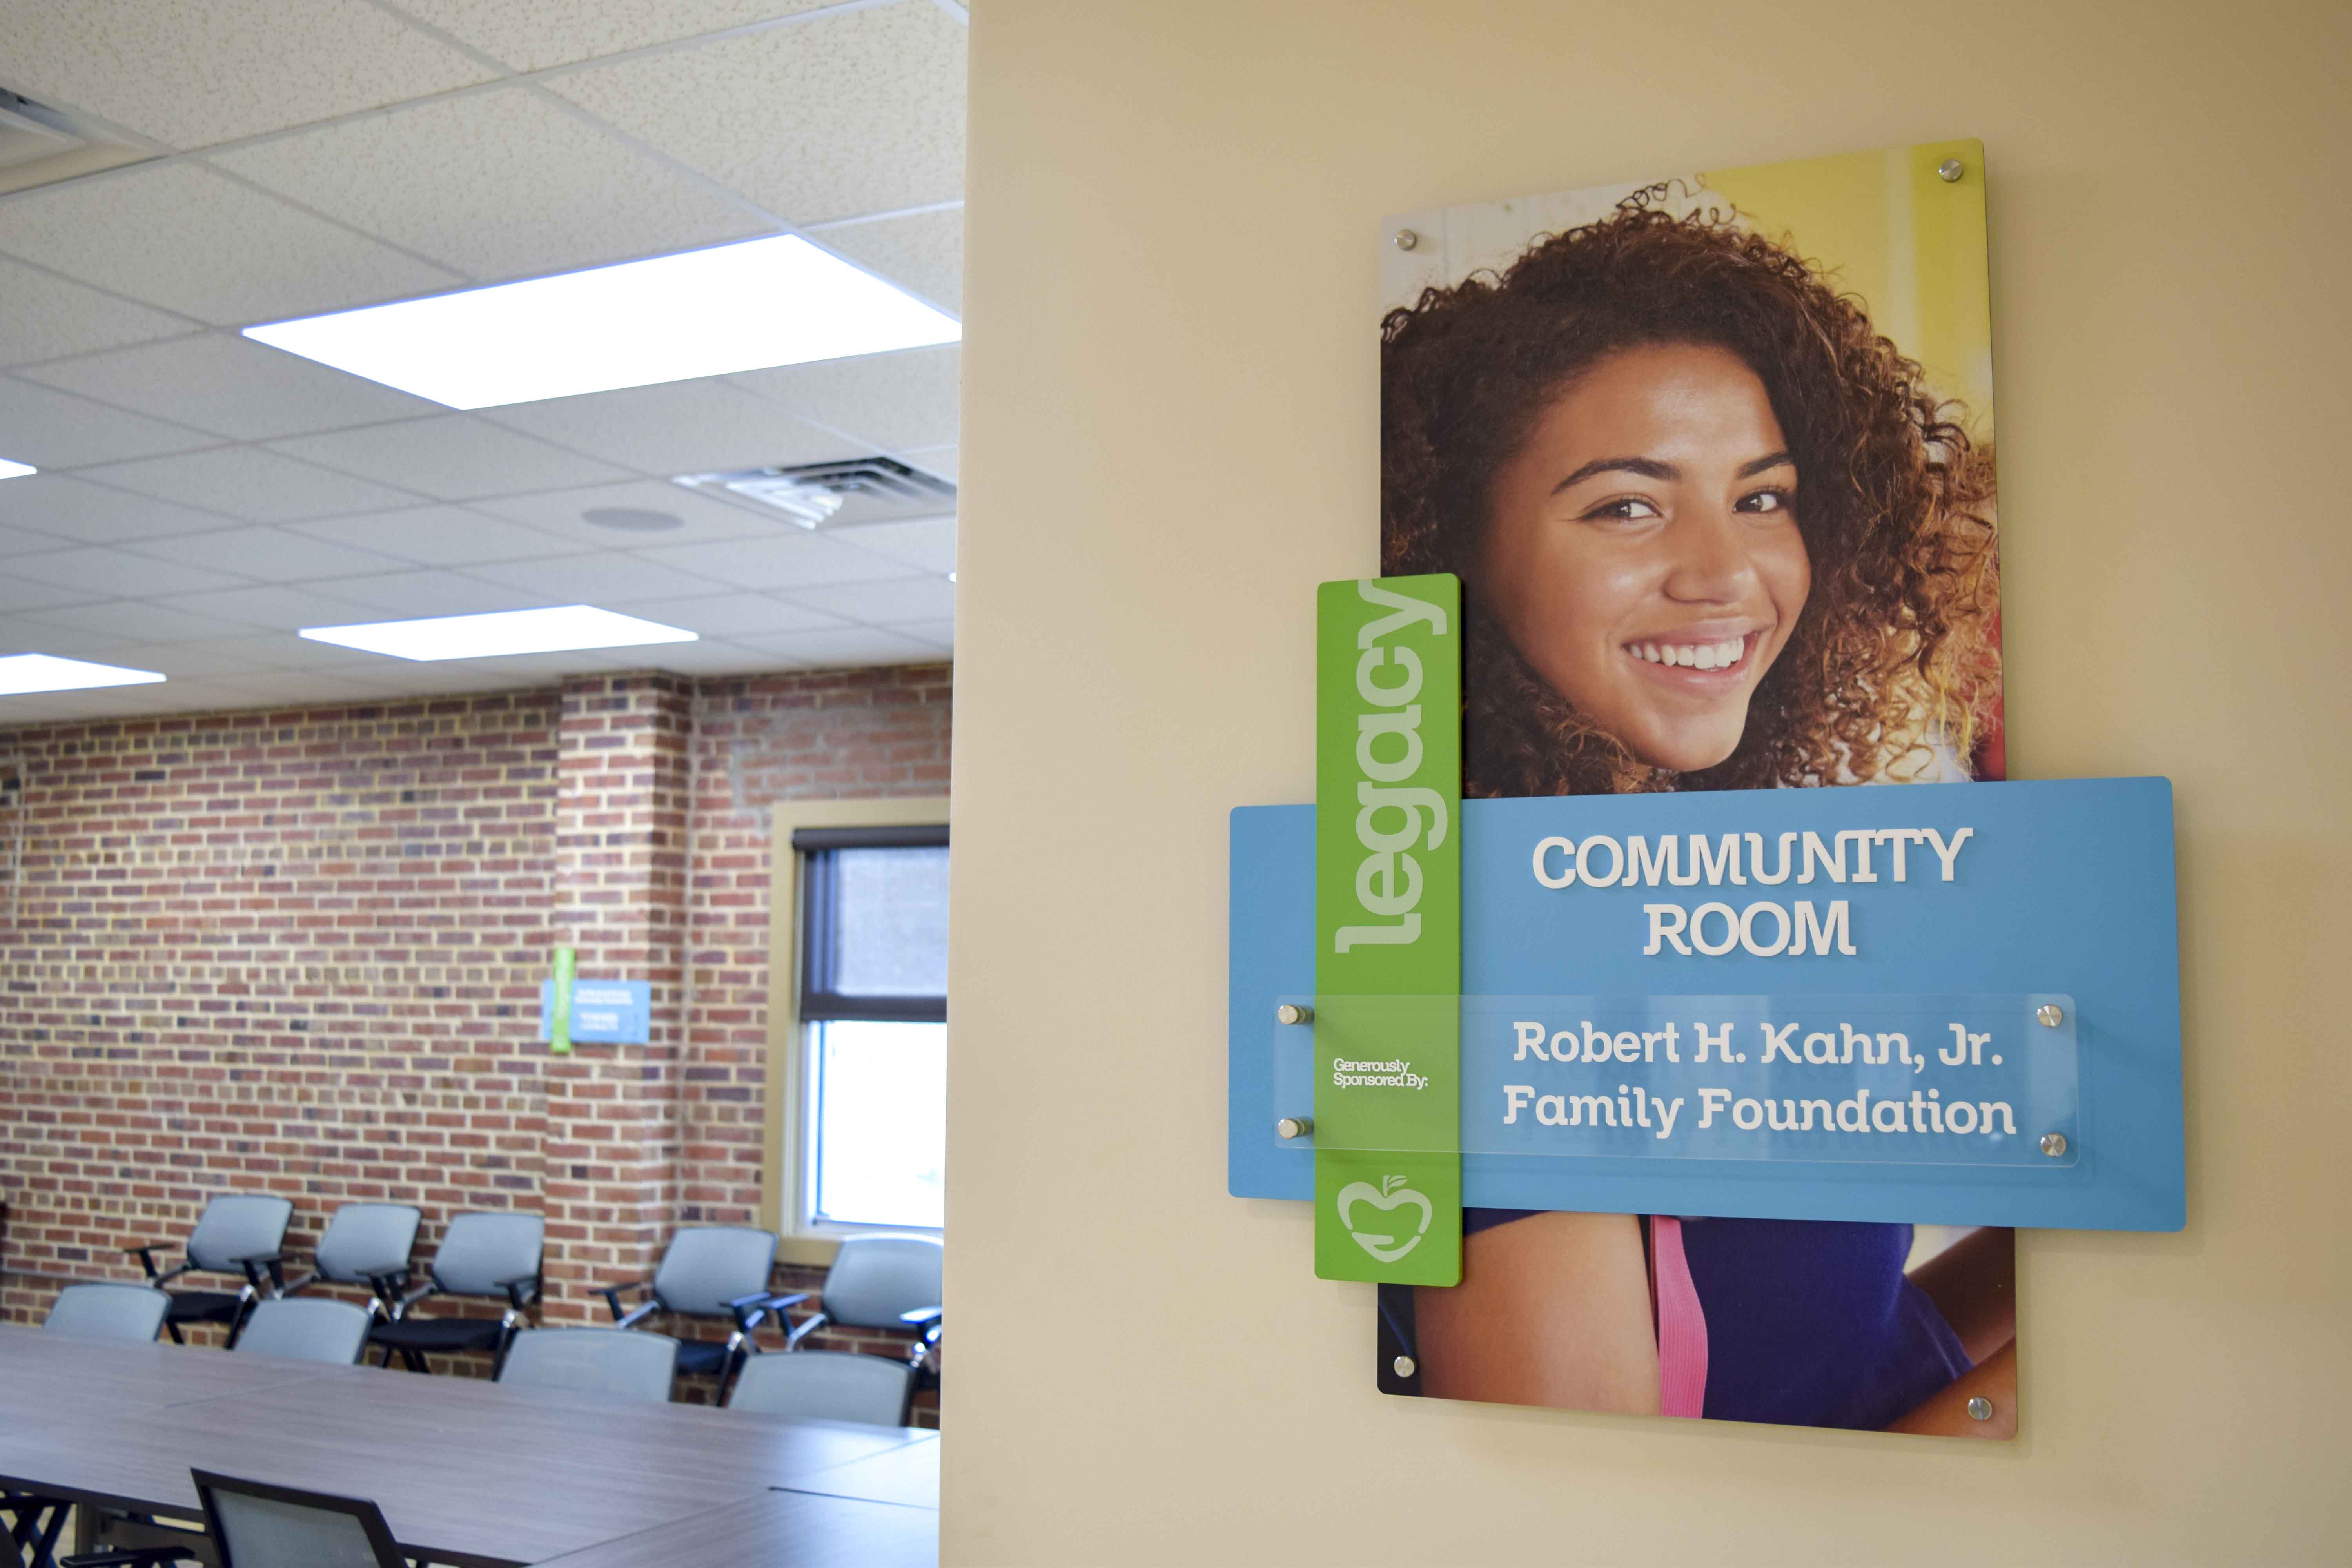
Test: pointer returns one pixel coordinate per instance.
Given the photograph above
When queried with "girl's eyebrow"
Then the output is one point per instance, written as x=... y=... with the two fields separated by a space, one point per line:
x=1651 y=468
x=1648 y=467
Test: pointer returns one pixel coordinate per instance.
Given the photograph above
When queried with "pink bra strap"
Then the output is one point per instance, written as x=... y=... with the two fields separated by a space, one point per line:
x=1682 y=1323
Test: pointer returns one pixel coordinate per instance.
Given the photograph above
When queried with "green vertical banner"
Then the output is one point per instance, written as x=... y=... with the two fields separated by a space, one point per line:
x=558 y=1021
x=1388 y=926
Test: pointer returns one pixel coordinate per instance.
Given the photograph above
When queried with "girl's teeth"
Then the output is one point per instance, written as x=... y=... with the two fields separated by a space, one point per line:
x=1693 y=656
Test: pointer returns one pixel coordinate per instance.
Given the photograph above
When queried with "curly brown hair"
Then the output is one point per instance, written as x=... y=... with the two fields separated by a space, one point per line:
x=1894 y=646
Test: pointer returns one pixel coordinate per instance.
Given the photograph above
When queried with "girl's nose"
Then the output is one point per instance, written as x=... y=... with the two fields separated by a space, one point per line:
x=1709 y=563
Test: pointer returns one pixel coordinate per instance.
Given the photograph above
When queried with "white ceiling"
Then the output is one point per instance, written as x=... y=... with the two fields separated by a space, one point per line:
x=202 y=496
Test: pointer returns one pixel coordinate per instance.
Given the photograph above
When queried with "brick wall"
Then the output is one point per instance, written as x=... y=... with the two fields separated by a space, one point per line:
x=300 y=951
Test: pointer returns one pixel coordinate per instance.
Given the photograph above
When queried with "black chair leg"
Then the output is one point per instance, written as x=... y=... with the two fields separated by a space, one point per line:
x=34 y=1525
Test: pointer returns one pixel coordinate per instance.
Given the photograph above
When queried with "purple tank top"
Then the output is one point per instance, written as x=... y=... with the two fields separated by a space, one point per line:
x=1809 y=1322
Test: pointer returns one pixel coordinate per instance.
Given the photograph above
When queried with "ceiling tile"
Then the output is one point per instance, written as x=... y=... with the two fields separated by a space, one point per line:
x=880 y=604
x=453 y=457
x=210 y=70
x=834 y=117
x=50 y=429
x=437 y=536
x=939 y=460
x=18 y=541
x=25 y=594
x=778 y=561
x=593 y=579
x=719 y=656
x=47 y=707
x=402 y=595
x=678 y=428
x=922 y=253
x=308 y=686
x=185 y=237
x=284 y=650
x=268 y=554
x=927 y=543
x=136 y=621
x=74 y=508
x=699 y=516
x=231 y=385
x=896 y=401
x=509 y=183
x=251 y=483
x=531 y=35
x=48 y=317
x=279 y=607
x=117 y=573
x=193 y=659
x=858 y=646
x=941 y=634
x=21 y=633
x=728 y=614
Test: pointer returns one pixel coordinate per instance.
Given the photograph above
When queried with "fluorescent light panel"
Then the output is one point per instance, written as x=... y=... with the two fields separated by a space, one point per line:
x=23 y=673
x=705 y=312
x=557 y=630
x=9 y=470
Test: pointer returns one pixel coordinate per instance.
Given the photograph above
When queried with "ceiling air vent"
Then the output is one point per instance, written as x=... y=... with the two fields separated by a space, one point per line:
x=834 y=495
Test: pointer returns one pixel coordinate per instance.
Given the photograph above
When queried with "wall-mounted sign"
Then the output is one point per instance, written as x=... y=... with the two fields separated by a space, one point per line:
x=1956 y=1006
x=1388 y=931
x=1711 y=457
x=603 y=1011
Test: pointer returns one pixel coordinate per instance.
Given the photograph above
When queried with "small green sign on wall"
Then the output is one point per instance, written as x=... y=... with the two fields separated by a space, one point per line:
x=558 y=1032
x=1387 y=919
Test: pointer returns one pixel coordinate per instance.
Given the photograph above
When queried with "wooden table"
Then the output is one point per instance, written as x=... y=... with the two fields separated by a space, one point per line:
x=908 y=1475
x=778 y=1529
x=466 y=1472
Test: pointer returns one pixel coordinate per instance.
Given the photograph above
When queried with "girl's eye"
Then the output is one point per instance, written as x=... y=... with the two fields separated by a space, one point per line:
x=1627 y=509
x=1765 y=502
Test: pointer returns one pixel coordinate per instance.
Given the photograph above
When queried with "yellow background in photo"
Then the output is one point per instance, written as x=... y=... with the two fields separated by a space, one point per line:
x=1910 y=243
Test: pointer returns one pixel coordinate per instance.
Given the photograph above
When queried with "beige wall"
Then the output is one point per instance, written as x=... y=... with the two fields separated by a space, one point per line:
x=1169 y=437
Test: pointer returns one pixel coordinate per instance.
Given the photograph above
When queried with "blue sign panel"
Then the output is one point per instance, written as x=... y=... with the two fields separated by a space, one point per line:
x=603 y=1011
x=1957 y=1004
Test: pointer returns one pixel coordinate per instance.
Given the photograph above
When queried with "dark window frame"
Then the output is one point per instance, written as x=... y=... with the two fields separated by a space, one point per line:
x=820 y=914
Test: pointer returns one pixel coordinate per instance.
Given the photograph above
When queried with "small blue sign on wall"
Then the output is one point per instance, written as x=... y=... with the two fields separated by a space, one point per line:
x=1948 y=1003
x=603 y=1011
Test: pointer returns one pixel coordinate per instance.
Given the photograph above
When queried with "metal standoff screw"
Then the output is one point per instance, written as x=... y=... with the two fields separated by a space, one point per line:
x=2051 y=1015
x=1951 y=169
x=1979 y=1408
x=1406 y=239
x=2054 y=1144
x=1293 y=1013
x=1294 y=1127
x=1403 y=1366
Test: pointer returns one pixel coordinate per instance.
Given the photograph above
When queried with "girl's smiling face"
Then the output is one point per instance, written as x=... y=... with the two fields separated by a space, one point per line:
x=1642 y=550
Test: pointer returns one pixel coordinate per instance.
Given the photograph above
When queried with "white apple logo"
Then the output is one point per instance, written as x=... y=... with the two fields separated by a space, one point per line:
x=1391 y=1194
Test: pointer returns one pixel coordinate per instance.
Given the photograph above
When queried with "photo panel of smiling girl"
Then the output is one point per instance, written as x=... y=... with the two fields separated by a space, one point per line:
x=1718 y=527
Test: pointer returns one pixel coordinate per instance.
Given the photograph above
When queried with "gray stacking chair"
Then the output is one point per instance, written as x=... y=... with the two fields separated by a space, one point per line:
x=365 y=1244
x=132 y=1312
x=626 y=1363
x=497 y=1255
x=238 y=1233
x=827 y=1385
x=307 y=1329
x=875 y=1282
x=710 y=1271
x=254 y=1525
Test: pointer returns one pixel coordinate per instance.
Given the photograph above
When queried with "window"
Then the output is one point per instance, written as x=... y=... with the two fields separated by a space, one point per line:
x=872 y=988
